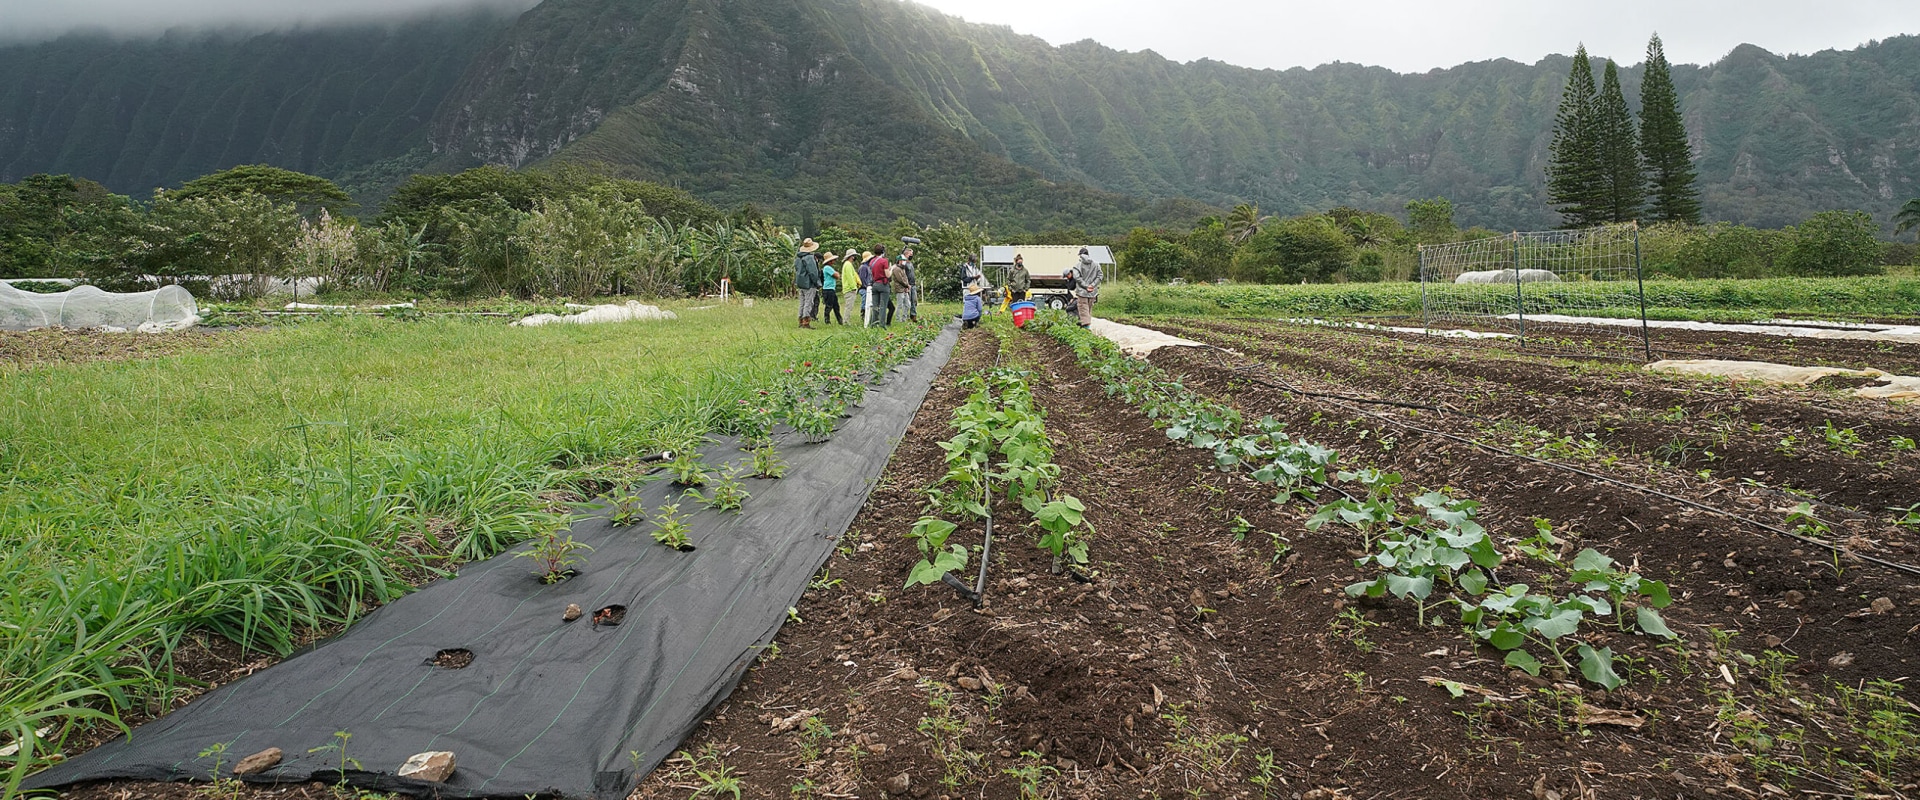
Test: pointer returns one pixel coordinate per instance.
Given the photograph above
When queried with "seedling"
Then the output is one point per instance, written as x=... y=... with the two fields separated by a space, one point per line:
x=338 y=749
x=1845 y=440
x=937 y=557
x=687 y=469
x=628 y=509
x=557 y=556
x=1903 y=444
x=219 y=786
x=1064 y=521
x=727 y=492
x=1031 y=775
x=767 y=463
x=1599 y=574
x=671 y=528
x=1805 y=523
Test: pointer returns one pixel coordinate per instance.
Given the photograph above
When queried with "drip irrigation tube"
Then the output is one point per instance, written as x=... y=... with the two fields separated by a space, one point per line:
x=1893 y=565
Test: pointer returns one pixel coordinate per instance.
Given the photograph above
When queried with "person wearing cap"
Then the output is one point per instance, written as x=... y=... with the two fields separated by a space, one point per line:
x=1019 y=281
x=1086 y=286
x=806 y=278
x=829 y=287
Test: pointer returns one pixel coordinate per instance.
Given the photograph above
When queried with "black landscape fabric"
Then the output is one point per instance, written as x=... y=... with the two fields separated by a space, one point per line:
x=546 y=707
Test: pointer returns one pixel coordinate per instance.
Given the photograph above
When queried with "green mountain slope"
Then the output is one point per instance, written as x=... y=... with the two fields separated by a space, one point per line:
x=874 y=108
x=140 y=114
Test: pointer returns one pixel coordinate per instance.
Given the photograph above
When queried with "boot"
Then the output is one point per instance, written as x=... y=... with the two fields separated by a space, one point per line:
x=803 y=322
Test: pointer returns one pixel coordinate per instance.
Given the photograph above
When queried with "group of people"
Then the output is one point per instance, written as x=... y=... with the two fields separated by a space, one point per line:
x=882 y=285
x=1084 y=274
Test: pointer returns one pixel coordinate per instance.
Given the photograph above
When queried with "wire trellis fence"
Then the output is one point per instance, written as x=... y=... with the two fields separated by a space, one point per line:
x=1535 y=284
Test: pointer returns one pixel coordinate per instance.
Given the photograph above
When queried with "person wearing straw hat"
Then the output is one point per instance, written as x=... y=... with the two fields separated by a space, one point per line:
x=829 y=288
x=973 y=304
x=865 y=274
x=806 y=278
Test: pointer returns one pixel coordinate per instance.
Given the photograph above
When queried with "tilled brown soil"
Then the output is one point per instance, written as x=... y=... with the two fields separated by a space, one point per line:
x=1201 y=649
x=1626 y=344
x=21 y=350
x=1191 y=656
x=1743 y=433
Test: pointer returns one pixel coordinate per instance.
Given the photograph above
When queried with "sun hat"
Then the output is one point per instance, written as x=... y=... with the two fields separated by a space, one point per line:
x=830 y=258
x=808 y=245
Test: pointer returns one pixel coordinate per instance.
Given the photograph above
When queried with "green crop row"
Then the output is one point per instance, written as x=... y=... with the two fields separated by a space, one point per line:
x=1000 y=446
x=1851 y=298
x=288 y=479
x=1438 y=558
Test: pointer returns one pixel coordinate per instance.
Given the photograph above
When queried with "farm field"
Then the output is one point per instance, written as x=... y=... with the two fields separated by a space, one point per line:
x=1725 y=300
x=1330 y=563
x=1225 y=645
x=197 y=491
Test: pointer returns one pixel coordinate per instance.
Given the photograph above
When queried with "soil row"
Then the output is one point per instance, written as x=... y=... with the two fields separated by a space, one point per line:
x=1583 y=341
x=1745 y=434
x=1200 y=648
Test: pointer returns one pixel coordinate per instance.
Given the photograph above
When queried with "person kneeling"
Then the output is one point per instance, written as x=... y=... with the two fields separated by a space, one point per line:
x=971 y=307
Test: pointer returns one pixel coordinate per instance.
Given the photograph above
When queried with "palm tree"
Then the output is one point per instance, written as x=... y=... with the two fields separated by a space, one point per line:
x=1244 y=221
x=1908 y=218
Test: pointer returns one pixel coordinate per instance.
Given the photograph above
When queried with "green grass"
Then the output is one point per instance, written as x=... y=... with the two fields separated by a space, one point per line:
x=283 y=479
x=1725 y=300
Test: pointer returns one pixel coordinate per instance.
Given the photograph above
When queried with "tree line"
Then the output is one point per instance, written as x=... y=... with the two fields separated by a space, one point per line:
x=488 y=231
x=1601 y=168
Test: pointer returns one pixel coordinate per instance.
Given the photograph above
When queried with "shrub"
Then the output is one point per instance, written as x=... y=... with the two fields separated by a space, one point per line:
x=1833 y=244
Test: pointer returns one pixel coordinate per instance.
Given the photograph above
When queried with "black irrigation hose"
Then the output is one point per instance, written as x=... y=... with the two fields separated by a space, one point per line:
x=1837 y=549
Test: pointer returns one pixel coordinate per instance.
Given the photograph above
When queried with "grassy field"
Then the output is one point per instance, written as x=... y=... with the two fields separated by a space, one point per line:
x=1722 y=300
x=283 y=478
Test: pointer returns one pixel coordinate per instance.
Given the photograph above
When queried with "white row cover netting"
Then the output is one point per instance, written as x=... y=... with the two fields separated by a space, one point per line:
x=169 y=308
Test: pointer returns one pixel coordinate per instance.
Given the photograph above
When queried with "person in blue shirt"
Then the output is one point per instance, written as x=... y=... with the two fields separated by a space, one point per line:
x=830 y=287
x=972 y=306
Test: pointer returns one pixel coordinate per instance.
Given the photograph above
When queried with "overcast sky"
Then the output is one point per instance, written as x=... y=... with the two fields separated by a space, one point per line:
x=1418 y=35
x=1404 y=35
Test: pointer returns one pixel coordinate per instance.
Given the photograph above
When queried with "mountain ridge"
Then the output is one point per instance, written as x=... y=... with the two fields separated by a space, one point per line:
x=878 y=108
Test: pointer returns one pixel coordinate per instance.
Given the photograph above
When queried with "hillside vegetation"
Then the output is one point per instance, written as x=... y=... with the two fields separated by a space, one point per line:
x=873 y=109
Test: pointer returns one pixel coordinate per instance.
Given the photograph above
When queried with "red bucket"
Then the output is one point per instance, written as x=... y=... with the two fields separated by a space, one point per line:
x=1022 y=312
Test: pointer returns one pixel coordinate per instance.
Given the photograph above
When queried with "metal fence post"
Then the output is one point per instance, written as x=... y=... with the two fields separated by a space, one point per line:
x=1426 y=316
x=1519 y=297
x=1639 y=277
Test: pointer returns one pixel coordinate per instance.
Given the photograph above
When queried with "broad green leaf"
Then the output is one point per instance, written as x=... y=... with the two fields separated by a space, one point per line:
x=1597 y=665
x=1651 y=623
x=1455 y=688
x=1404 y=586
x=1524 y=660
x=1473 y=581
x=1562 y=623
x=925 y=573
x=1450 y=558
x=1506 y=636
x=1484 y=553
x=1592 y=560
x=1656 y=593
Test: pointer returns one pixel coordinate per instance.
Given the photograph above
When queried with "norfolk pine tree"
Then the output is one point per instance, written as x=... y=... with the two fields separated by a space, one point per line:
x=1623 y=186
x=1663 y=144
x=1574 y=159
